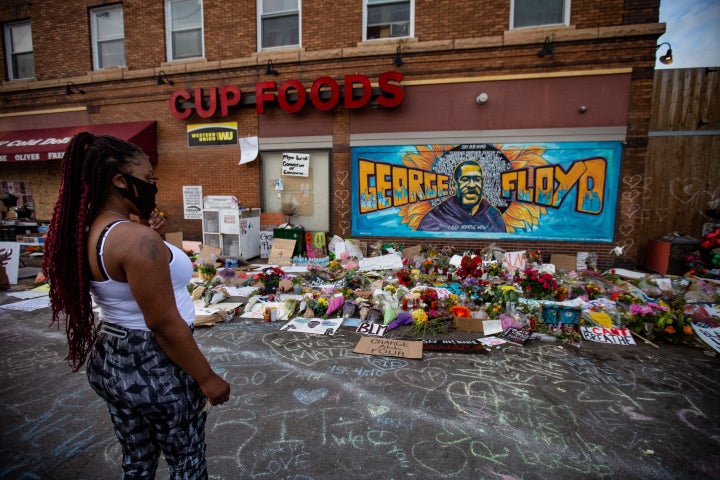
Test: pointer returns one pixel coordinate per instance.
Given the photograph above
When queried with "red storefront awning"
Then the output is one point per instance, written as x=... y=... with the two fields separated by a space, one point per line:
x=49 y=143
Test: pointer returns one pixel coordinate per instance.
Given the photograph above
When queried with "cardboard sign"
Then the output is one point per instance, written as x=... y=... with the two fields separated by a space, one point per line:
x=564 y=262
x=281 y=251
x=315 y=244
x=616 y=336
x=390 y=347
x=411 y=252
x=207 y=252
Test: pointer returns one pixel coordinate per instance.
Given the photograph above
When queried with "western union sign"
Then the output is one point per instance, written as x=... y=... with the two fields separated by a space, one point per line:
x=214 y=134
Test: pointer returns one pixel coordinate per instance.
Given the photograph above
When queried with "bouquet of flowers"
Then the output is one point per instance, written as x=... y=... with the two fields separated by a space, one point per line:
x=537 y=285
x=270 y=278
x=470 y=266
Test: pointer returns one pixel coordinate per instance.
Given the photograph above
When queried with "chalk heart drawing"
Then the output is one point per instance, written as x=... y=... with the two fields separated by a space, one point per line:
x=429 y=378
x=630 y=195
x=344 y=227
x=627 y=245
x=306 y=397
x=343 y=210
x=632 y=181
x=630 y=210
x=342 y=196
x=384 y=363
x=662 y=213
x=626 y=229
x=686 y=190
x=341 y=177
x=378 y=410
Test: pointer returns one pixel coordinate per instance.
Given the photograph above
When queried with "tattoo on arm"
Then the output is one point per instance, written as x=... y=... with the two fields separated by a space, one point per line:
x=149 y=248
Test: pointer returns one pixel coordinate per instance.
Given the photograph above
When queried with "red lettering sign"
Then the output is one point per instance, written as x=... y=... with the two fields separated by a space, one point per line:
x=356 y=90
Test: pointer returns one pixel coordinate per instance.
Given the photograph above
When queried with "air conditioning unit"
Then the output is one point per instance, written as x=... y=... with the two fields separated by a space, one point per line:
x=399 y=29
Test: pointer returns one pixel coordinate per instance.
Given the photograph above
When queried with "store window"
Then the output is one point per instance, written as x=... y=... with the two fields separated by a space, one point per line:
x=184 y=27
x=279 y=23
x=307 y=186
x=539 y=13
x=108 y=37
x=388 y=18
x=19 y=50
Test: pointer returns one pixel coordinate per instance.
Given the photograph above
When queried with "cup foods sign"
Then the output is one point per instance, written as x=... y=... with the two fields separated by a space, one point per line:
x=324 y=94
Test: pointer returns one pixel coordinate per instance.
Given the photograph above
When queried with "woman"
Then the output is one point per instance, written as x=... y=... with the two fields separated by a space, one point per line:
x=141 y=355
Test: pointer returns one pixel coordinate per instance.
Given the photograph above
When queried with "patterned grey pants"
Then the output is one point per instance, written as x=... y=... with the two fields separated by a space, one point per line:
x=154 y=405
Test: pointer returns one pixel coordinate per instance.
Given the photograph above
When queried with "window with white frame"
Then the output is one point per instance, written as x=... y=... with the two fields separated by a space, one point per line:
x=538 y=13
x=184 y=29
x=19 y=50
x=278 y=23
x=388 y=18
x=108 y=37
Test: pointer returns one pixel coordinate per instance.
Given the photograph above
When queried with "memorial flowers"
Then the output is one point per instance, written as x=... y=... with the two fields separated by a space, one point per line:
x=270 y=278
x=537 y=285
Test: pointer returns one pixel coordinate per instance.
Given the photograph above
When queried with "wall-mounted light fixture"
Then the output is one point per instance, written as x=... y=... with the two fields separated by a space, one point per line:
x=162 y=79
x=582 y=109
x=270 y=69
x=482 y=98
x=71 y=88
x=547 y=48
x=667 y=58
x=398 y=61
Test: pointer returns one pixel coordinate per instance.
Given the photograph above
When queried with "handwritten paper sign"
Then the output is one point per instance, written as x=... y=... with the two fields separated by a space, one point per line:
x=389 y=347
x=372 y=329
x=248 y=149
x=391 y=261
x=615 y=335
x=323 y=326
x=296 y=164
x=281 y=252
x=514 y=335
x=514 y=260
x=709 y=335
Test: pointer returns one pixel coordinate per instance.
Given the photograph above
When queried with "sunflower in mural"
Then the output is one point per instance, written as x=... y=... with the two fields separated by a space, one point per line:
x=467 y=194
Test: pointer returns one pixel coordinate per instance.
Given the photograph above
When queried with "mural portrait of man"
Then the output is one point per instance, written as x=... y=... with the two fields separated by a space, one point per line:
x=468 y=209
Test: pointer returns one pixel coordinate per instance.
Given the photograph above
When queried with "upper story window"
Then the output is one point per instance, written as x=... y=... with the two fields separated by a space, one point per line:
x=19 y=50
x=184 y=27
x=538 y=13
x=388 y=18
x=108 y=37
x=278 y=23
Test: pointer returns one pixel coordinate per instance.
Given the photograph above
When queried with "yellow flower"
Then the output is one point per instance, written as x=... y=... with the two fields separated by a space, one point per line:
x=322 y=301
x=419 y=316
x=390 y=288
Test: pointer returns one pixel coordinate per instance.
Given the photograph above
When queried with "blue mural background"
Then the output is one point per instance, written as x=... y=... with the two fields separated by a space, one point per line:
x=563 y=223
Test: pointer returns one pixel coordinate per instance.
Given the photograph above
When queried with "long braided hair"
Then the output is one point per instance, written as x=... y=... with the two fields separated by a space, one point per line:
x=88 y=167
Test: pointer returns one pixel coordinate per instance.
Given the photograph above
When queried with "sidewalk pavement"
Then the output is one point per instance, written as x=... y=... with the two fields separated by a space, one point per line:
x=307 y=407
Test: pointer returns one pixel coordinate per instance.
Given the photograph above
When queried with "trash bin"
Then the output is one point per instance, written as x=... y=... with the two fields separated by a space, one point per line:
x=293 y=233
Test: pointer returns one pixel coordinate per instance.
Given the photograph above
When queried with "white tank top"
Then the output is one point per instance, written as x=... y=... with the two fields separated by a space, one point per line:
x=116 y=302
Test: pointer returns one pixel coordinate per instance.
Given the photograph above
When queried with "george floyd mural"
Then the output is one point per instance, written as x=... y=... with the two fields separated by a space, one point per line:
x=546 y=191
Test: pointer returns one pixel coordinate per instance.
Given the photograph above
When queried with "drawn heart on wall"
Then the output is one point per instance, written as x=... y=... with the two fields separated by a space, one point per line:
x=306 y=397
x=341 y=196
x=343 y=210
x=686 y=190
x=429 y=378
x=631 y=210
x=632 y=181
x=631 y=195
x=626 y=229
x=662 y=213
x=378 y=410
x=341 y=177
x=388 y=363
x=344 y=227
x=627 y=245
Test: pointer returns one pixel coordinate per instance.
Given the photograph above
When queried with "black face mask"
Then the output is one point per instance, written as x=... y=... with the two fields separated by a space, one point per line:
x=144 y=201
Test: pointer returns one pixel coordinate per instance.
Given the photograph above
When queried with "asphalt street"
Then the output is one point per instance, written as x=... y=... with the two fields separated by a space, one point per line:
x=307 y=407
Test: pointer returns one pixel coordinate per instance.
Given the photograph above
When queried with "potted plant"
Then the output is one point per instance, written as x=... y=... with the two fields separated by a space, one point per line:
x=297 y=282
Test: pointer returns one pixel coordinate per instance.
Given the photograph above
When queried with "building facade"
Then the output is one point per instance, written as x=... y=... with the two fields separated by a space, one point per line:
x=361 y=113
